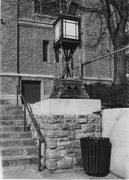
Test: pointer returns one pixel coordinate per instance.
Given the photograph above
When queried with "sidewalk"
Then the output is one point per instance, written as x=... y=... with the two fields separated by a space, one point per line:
x=31 y=172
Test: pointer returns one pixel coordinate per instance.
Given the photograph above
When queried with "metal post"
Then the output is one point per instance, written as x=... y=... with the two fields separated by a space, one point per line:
x=24 y=117
x=17 y=95
x=39 y=156
x=82 y=71
x=61 y=61
x=80 y=63
x=55 y=65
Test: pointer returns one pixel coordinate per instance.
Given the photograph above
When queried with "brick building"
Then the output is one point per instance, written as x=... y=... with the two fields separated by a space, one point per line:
x=27 y=36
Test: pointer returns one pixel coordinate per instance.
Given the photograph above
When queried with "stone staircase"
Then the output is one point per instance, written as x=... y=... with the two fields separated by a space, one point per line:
x=16 y=146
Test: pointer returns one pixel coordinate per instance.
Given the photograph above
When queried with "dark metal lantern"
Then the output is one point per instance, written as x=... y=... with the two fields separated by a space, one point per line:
x=67 y=39
x=67 y=32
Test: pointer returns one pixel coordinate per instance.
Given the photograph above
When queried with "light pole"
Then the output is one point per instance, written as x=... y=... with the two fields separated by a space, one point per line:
x=67 y=39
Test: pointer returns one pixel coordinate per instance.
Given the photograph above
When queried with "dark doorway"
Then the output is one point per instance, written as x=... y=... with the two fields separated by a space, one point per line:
x=31 y=91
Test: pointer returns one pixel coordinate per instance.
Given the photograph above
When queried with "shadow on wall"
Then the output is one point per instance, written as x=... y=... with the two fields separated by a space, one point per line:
x=115 y=124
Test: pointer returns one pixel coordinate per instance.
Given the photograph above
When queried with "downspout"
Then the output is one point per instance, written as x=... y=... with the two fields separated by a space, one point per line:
x=18 y=69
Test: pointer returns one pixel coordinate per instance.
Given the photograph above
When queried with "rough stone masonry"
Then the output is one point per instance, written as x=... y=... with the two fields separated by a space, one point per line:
x=62 y=135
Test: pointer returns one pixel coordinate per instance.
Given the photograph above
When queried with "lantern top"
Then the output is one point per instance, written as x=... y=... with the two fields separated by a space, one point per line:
x=67 y=31
x=68 y=17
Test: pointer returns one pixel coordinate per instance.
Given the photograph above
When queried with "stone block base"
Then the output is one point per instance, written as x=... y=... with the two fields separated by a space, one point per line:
x=62 y=135
x=63 y=122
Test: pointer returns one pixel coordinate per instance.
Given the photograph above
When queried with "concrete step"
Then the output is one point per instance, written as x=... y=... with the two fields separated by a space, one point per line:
x=17 y=113
x=12 y=128
x=20 y=150
x=11 y=117
x=12 y=122
x=4 y=101
x=11 y=107
x=19 y=160
x=11 y=110
x=8 y=142
x=16 y=146
x=15 y=135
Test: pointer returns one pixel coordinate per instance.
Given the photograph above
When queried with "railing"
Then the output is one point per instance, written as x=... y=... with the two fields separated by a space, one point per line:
x=36 y=126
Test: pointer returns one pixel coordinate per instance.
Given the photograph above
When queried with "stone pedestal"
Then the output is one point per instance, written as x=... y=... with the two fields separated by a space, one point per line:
x=63 y=122
x=66 y=106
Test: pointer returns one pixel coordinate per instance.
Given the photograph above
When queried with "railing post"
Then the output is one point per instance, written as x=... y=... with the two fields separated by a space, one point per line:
x=17 y=95
x=24 y=117
x=39 y=156
x=41 y=138
x=82 y=73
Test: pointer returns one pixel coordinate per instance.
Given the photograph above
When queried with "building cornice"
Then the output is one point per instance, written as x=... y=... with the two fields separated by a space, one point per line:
x=34 y=23
x=49 y=76
x=26 y=75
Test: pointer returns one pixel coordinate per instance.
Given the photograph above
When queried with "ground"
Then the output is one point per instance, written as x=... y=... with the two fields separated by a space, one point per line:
x=31 y=172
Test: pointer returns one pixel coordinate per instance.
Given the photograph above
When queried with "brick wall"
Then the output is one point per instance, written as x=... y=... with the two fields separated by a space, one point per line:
x=9 y=36
x=30 y=42
x=31 y=49
x=102 y=68
x=8 y=85
x=48 y=85
x=62 y=135
x=33 y=29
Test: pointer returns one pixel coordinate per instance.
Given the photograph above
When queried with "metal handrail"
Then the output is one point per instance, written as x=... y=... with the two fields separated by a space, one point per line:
x=37 y=128
x=101 y=58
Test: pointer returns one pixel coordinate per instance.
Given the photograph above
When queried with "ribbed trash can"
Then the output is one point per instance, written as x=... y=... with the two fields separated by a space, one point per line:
x=96 y=154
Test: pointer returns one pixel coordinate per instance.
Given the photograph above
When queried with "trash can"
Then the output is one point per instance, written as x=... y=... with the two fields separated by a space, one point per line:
x=96 y=154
